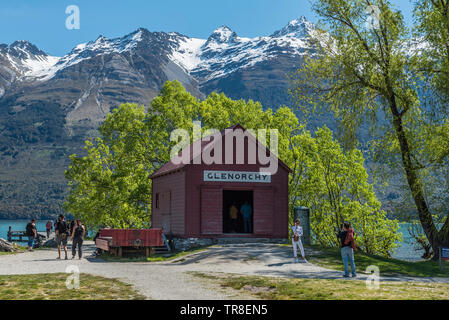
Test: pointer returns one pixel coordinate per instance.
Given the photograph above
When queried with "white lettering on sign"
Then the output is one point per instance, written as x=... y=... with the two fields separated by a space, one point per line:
x=445 y=253
x=237 y=176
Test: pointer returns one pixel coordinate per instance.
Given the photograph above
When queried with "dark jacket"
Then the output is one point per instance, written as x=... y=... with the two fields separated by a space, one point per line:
x=30 y=230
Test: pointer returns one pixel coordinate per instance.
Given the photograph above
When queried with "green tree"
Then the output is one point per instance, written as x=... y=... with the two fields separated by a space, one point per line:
x=111 y=185
x=432 y=30
x=334 y=184
x=364 y=72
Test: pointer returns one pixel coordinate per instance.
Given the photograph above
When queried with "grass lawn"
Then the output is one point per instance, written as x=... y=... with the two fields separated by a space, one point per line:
x=154 y=258
x=53 y=287
x=331 y=258
x=5 y=253
x=322 y=289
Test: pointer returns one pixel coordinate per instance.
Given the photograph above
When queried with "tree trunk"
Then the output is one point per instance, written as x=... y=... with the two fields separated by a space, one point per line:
x=5 y=246
x=414 y=183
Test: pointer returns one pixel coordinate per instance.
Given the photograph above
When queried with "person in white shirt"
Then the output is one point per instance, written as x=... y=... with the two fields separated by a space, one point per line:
x=296 y=241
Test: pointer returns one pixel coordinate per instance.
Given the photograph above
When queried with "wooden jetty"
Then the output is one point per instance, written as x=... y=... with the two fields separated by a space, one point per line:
x=20 y=236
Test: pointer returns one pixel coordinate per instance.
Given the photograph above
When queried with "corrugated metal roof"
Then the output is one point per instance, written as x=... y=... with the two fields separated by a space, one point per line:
x=171 y=167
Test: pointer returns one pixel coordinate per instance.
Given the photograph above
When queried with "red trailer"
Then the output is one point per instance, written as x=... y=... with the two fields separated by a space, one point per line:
x=116 y=241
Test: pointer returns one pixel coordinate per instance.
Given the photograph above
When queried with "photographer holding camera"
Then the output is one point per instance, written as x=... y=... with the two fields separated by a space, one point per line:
x=346 y=236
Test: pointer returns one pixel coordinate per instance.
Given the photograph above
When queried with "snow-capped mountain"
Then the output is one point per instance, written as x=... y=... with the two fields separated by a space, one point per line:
x=25 y=59
x=200 y=61
x=22 y=60
x=49 y=105
x=224 y=52
x=82 y=86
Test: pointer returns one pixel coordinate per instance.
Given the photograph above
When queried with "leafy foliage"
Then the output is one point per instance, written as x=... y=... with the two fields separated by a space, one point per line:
x=111 y=185
x=367 y=73
x=334 y=184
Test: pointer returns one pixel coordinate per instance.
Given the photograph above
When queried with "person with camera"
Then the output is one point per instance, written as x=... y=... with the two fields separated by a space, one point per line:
x=296 y=241
x=346 y=237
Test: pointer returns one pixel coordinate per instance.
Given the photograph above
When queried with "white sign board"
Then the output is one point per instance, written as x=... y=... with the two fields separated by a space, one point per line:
x=237 y=176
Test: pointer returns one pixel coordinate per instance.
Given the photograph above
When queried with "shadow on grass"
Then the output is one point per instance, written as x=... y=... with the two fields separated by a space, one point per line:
x=331 y=258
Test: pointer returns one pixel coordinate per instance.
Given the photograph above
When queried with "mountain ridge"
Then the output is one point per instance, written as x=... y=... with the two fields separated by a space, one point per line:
x=49 y=105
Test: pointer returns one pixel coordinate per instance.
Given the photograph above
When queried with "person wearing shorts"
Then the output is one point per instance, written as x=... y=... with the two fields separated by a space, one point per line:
x=61 y=235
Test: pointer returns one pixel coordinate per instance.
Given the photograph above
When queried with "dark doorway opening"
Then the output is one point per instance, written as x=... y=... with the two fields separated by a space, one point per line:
x=237 y=216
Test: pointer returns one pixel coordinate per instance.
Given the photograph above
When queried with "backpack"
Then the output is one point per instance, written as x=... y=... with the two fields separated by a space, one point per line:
x=349 y=239
x=29 y=230
x=62 y=227
x=79 y=231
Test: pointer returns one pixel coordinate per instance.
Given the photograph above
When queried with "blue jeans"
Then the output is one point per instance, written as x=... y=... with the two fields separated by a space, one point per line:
x=30 y=241
x=247 y=224
x=348 y=254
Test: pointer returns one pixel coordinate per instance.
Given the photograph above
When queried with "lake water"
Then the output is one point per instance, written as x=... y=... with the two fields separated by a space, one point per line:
x=19 y=225
x=405 y=251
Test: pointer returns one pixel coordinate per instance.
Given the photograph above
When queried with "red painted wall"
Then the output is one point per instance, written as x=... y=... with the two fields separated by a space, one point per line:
x=170 y=216
x=270 y=202
x=196 y=205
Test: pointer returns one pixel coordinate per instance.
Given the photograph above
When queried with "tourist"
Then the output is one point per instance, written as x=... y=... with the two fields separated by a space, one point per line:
x=78 y=233
x=346 y=236
x=31 y=233
x=61 y=232
x=233 y=215
x=246 y=212
x=69 y=226
x=296 y=241
x=49 y=228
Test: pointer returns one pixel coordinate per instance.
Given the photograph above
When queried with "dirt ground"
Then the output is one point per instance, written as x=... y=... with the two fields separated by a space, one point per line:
x=174 y=279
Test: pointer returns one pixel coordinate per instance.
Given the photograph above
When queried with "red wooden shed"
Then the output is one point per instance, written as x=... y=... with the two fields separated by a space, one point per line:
x=194 y=200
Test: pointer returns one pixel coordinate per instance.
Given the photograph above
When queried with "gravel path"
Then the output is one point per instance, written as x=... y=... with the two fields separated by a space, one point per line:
x=172 y=280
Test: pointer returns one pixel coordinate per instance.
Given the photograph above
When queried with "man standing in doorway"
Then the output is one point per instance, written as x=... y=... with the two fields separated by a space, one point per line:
x=246 y=211
x=233 y=215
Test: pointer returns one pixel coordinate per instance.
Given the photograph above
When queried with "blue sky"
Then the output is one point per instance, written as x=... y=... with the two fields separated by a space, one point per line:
x=42 y=22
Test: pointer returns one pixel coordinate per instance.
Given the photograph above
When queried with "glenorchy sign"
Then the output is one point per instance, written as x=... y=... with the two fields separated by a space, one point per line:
x=237 y=176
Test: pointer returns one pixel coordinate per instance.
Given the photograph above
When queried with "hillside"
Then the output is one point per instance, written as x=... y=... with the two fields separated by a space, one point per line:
x=49 y=105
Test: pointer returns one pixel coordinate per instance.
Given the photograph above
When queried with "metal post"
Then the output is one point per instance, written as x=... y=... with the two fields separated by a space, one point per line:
x=303 y=213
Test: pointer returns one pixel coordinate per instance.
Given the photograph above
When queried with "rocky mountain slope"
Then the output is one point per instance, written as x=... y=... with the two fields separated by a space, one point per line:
x=49 y=105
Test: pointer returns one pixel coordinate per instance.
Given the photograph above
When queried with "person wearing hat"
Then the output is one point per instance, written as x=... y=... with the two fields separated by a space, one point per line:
x=296 y=241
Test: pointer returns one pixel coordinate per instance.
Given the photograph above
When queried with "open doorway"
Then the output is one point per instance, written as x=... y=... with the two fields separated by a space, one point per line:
x=237 y=211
